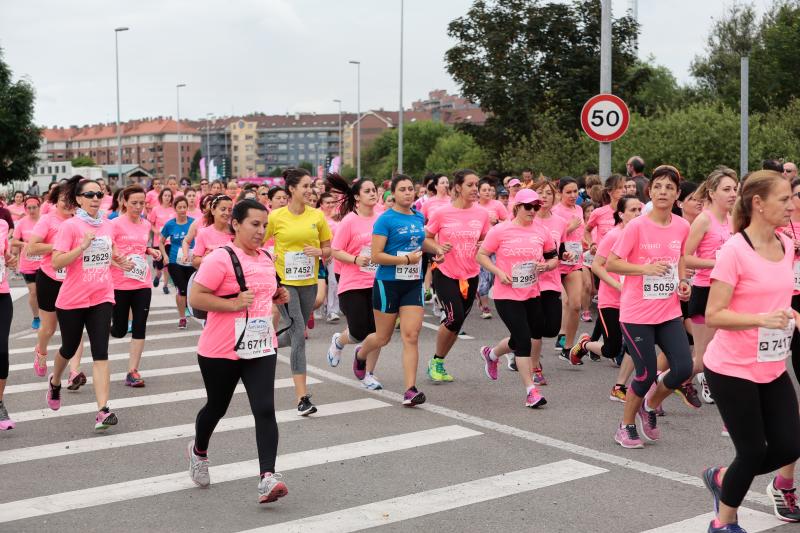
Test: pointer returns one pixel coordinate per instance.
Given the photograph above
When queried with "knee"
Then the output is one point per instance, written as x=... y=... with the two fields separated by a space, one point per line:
x=522 y=348
x=679 y=373
x=574 y=305
x=454 y=321
x=786 y=451
x=119 y=330
x=409 y=337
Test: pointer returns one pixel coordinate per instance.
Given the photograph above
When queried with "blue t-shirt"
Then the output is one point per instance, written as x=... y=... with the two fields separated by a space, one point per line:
x=176 y=232
x=404 y=233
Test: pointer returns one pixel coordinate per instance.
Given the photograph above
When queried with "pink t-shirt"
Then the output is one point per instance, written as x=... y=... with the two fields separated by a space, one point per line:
x=354 y=236
x=22 y=232
x=46 y=229
x=159 y=216
x=208 y=239
x=432 y=204
x=759 y=286
x=151 y=199
x=17 y=211
x=219 y=338
x=130 y=238
x=644 y=242
x=46 y=208
x=713 y=239
x=462 y=228
x=602 y=220
x=573 y=241
x=608 y=296
x=557 y=227
x=88 y=281
x=195 y=213
x=495 y=207
x=517 y=249
x=105 y=203
x=4 y=245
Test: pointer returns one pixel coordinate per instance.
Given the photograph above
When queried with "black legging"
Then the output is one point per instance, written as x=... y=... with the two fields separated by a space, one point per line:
x=763 y=423
x=551 y=313
x=455 y=307
x=356 y=305
x=97 y=321
x=612 y=334
x=137 y=301
x=523 y=320
x=641 y=340
x=220 y=377
x=796 y=339
x=6 y=314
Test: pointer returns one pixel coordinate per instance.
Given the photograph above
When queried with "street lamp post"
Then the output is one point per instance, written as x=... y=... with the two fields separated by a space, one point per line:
x=208 y=147
x=340 y=126
x=180 y=152
x=400 y=116
x=119 y=130
x=358 y=115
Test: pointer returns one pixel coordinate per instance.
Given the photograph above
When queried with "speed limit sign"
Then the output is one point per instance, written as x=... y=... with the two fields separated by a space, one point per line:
x=605 y=118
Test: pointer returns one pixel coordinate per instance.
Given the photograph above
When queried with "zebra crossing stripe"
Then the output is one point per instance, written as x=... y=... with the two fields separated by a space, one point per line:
x=123 y=340
x=111 y=357
x=752 y=521
x=155 y=372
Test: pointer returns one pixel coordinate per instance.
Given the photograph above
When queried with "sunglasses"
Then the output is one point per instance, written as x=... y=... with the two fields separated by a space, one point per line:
x=92 y=194
x=263 y=194
x=534 y=207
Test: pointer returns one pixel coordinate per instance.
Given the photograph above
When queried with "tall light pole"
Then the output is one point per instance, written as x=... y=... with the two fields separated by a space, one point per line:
x=358 y=113
x=208 y=147
x=744 y=118
x=340 y=126
x=119 y=130
x=180 y=152
x=605 y=79
x=400 y=117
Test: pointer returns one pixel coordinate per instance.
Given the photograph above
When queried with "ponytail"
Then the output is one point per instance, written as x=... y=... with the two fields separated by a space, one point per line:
x=759 y=183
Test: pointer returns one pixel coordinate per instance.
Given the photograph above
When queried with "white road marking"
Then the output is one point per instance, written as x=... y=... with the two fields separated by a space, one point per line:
x=155 y=372
x=173 y=321
x=123 y=340
x=752 y=521
x=111 y=357
x=436 y=328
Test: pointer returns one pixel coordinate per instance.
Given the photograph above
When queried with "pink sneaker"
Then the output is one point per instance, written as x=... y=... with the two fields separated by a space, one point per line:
x=648 y=422
x=53 y=395
x=76 y=380
x=489 y=366
x=534 y=400
x=5 y=421
x=39 y=363
x=628 y=437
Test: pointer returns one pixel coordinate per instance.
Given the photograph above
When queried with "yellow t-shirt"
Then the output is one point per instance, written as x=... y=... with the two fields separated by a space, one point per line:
x=292 y=233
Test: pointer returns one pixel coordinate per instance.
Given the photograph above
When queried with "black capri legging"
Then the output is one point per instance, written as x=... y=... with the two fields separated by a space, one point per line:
x=220 y=377
x=97 y=321
x=357 y=307
x=551 y=313
x=46 y=291
x=137 y=302
x=763 y=423
x=524 y=322
x=180 y=275
x=612 y=334
x=796 y=339
x=641 y=340
x=159 y=265
x=455 y=307
x=6 y=314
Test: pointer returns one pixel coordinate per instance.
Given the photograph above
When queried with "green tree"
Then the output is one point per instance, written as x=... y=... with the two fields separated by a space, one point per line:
x=307 y=165
x=419 y=139
x=83 y=161
x=348 y=172
x=19 y=136
x=194 y=167
x=277 y=171
x=454 y=151
x=656 y=88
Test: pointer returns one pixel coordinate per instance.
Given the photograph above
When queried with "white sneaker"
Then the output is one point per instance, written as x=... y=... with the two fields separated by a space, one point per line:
x=511 y=361
x=369 y=382
x=271 y=487
x=198 y=467
x=334 y=352
x=702 y=386
x=332 y=318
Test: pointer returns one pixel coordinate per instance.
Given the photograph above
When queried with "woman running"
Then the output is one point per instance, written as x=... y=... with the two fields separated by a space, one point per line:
x=7 y=261
x=159 y=216
x=217 y=230
x=523 y=250
x=398 y=240
x=650 y=256
x=194 y=212
x=440 y=187
x=457 y=228
x=17 y=206
x=151 y=198
x=709 y=231
x=497 y=213
x=749 y=304
x=48 y=283
x=238 y=343
x=83 y=245
x=205 y=207
x=302 y=240
x=179 y=266
x=28 y=263
x=132 y=291
x=329 y=207
x=585 y=315
x=352 y=248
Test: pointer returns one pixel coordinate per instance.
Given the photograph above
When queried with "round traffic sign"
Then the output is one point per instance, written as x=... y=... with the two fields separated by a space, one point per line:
x=605 y=117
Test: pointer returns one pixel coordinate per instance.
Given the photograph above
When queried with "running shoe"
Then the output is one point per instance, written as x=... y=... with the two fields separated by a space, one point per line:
x=702 y=386
x=165 y=288
x=413 y=397
x=579 y=350
x=156 y=281
x=628 y=437
x=335 y=351
x=104 y=419
x=75 y=381
x=187 y=313
x=724 y=431
x=725 y=528
x=486 y=313
x=198 y=467
x=511 y=362
x=311 y=322
x=437 y=372
x=305 y=407
x=369 y=382
x=397 y=323
x=5 y=421
x=489 y=366
x=182 y=323
x=710 y=481
x=561 y=342
x=648 y=422
x=784 y=503
x=53 y=395
x=359 y=366
x=534 y=400
x=130 y=326
x=568 y=357
x=428 y=295
x=618 y=393
x=133 y=379
x=538 y=377
x=270 y=488
x=332 y=318
x=437 y=307
x=39 y=363
x=36 y=323
x=688 y=394
x=586 y=316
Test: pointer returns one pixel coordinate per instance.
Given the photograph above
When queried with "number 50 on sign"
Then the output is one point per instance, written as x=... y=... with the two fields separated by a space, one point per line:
x=605 y=118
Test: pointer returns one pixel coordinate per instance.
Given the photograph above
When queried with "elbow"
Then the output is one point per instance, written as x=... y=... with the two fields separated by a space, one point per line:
x=712 y=318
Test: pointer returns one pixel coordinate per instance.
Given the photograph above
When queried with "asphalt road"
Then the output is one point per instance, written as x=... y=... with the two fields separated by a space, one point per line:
x=471 y=459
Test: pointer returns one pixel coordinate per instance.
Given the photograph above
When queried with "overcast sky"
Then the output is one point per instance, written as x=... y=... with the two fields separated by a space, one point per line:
x=275 y=56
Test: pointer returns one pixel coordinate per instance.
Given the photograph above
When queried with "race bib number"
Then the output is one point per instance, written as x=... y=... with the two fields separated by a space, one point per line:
x=588 y=259
x=523 y=275
x=371 y=267
x=660 y=287
x=139 y=270
x=98 y=254
x=182 y=259
x=257 y=339
x=407 y=272
x=775 y=344
x=2 y=267
x=61 y=274
x=576 y=249
x=796 y=268
x=298 y=266
x=33 y=258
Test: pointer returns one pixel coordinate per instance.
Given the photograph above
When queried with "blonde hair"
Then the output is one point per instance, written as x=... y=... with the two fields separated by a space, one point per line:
x=759 y=183
x=713 y=181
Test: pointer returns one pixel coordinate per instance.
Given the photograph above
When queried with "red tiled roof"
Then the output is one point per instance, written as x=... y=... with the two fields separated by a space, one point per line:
x=106 y=131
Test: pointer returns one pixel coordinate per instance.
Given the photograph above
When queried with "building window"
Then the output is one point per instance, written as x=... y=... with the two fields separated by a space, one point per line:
x=236 y=158
x=235 y=137
x=248 y=137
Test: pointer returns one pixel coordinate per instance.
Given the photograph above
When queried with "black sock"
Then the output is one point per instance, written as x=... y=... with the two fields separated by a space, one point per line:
x=413 y=389
x=438 y=357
